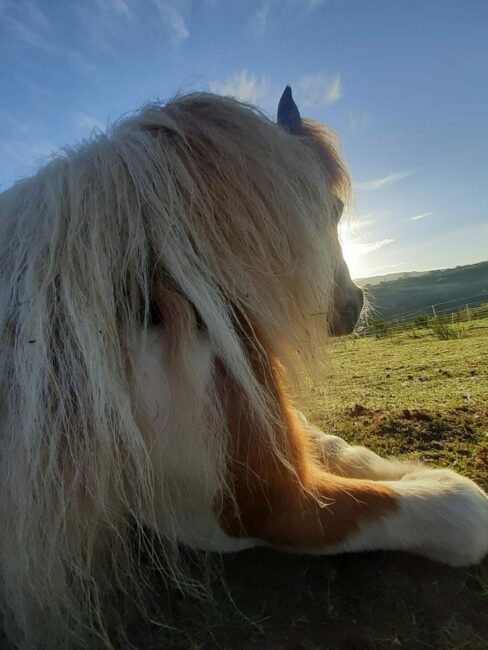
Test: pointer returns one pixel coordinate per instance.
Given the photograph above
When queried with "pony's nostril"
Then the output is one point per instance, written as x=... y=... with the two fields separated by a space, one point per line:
x=352 y=308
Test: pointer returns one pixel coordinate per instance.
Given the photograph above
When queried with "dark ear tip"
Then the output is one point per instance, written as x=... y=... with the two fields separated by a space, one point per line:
x=287 y=95
x=288 y=113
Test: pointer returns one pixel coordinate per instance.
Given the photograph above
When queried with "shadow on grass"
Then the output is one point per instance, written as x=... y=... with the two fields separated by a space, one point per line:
x=271 y=601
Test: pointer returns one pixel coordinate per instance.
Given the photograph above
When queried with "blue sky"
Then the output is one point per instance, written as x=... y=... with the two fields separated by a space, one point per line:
x=404 y=83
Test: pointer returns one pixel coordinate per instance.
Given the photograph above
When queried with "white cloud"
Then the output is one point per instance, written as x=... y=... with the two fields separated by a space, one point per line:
x=242 y=85
x=356 y=250
x=352 y=229
x=87 y=122
x=380 y=183
x=420 y=216
x=364 y=221
x=317 y=89
x=356 y=244
x=365 y=248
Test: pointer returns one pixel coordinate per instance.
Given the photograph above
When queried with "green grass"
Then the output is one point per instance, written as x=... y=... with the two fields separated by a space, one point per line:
x=420 y=397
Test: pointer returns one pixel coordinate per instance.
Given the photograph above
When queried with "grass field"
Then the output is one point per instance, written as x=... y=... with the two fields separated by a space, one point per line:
x=414 y=396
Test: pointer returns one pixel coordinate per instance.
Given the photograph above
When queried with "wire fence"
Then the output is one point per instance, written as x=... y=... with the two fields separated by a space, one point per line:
x=456 y=312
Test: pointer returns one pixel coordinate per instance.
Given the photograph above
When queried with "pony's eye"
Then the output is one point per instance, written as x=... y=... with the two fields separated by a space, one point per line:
x=155 y=317
x=338 y=209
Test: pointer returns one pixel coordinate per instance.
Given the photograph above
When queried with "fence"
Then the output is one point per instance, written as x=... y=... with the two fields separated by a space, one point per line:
x=469 y=310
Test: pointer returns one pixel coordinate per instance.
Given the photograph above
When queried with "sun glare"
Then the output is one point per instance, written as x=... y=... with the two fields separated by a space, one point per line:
x=361 y=251
x=352 y=251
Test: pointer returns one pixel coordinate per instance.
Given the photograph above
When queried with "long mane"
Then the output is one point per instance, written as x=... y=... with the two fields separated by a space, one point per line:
x=202 y=204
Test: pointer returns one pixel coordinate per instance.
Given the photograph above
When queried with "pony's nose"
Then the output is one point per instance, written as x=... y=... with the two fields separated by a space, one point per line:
x=352 y=308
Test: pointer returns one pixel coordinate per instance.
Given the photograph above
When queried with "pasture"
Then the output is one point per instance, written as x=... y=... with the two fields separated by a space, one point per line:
x=410 y=395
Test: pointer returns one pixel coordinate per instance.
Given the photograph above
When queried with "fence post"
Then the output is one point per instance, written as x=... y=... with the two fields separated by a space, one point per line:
x=433 y=311
x=467 y=312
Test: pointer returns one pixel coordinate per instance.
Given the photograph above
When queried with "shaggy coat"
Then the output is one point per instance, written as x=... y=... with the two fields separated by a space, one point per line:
x=159 y=284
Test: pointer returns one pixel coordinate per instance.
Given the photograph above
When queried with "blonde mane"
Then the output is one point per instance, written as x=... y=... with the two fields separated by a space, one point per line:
x=201 y=205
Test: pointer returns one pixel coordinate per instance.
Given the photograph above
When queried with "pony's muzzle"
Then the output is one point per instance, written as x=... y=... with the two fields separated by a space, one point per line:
x=347 y=314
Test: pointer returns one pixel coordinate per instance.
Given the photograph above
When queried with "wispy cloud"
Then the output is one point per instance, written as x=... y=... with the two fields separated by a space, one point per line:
x=353 y=229
x=121 y=7
x=29 y=154
x=368 y=247
x=12 y=122
x=28 y=25
x=357 y=120
x=109 y=24
x=356 y=250
x=172 y=14
x=310 y=5
x=100 y=21
x=420 y=216
x=357 y=242
x=319 y=89
x=365 y=220
x=259 y=19
x=242 y=85
x=380 y=183
x=87 y=122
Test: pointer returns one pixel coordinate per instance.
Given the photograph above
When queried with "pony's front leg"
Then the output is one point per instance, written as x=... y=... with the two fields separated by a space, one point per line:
x=339 y=457
x=283 y=496
x=438 y=514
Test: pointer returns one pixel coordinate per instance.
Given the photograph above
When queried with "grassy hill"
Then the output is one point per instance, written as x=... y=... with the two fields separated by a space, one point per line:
x=416 y=292
x=389 y=277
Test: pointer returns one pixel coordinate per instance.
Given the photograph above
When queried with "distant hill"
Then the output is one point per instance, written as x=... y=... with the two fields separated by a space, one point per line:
x=390 y=277
x=402 y=293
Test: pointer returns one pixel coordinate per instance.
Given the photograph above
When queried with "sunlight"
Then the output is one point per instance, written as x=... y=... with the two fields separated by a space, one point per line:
x=352 y=255
x=356 y=251
x=351 y=249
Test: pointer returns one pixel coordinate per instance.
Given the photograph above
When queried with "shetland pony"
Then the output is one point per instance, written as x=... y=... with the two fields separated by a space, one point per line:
x=157 y=285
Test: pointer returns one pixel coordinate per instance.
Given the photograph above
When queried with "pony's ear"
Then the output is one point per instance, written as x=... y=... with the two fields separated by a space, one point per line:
x=288 y=115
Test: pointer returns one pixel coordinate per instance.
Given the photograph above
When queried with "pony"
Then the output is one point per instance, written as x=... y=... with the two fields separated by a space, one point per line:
x=160 y=284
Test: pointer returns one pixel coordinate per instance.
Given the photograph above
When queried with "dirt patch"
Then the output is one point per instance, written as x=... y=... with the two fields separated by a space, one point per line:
x=416 y=415
x=357 y=409
x=456 y=437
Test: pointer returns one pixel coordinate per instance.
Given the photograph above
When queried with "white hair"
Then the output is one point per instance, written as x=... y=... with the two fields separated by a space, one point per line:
x=203 y=206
